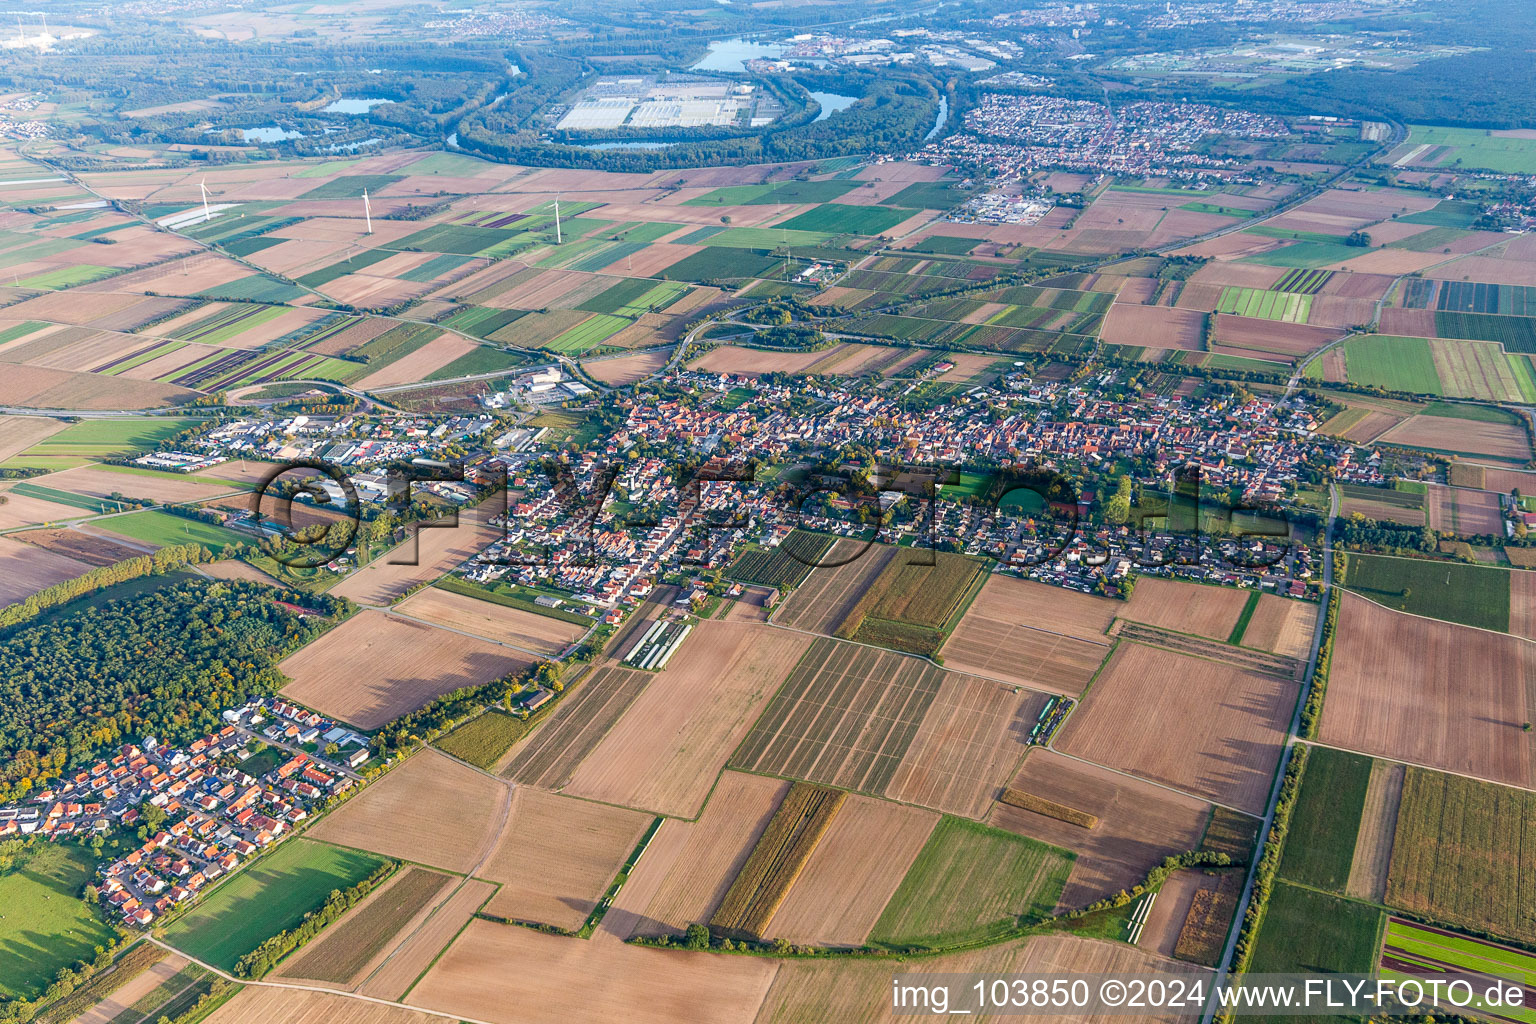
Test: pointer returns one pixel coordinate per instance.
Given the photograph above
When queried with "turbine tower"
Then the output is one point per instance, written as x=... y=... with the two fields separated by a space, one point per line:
x=367 y=213
x=203 y=187
x=557 y=219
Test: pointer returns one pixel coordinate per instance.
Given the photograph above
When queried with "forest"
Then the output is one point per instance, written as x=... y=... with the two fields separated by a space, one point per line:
x=164 y=662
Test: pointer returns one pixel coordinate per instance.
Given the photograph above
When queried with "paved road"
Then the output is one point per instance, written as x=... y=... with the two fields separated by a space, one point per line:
x=1292 y=738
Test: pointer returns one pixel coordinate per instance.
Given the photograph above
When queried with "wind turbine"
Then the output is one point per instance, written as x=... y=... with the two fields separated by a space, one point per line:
x=203 y=187
x=557 y=219
x=367 y=212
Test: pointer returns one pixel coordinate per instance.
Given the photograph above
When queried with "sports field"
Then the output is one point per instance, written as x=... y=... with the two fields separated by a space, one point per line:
x=265 y=898
x=162 y=528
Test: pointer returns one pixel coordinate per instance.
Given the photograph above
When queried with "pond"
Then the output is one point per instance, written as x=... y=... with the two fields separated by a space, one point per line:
x=831 y=103
x=269 y=133
x=353 y=106
x=732 y=54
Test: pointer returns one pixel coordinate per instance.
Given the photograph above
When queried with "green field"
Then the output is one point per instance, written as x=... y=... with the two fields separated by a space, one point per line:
x=789 y=192
x=588 y=334
x=1306 y=932
x=1435 y=951
x=1287 y=307
x=68 y=277
x=1473 y=595
x=44 y=926
x=162 y=528
x=722 y=263
x=839 y=219
x=947 y=245
x=1306 y=254
x=354 y=263
x=105 y=439
x=1448 y=213
x=1515 y=333
x=351 y=186
x=1456 y=854
x=485 y=359
x=1472 y=147
x=763 y=238
x=265 y=898
x=971 y=882
x=1397 y=364
x=930 y=195
x=1326 y=821
x=482 y=740
x=635 y=296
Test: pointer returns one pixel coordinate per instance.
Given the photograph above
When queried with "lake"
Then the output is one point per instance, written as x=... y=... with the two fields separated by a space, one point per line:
x=732 y=54
x=352 y=106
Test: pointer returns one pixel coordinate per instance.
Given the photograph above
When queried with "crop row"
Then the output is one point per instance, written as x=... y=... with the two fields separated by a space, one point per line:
x=763 y=882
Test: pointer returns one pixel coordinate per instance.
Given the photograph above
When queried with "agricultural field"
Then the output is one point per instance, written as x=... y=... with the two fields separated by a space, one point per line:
x=690 y=864
x=265 y=898
x=24 y=570
x=521 y=976
x=265 y=1005
x=915 y=601
x=846 y=716
x=853 y=872
x=46 y=926
x=400 y=815
x=1282 y=626
x=427 y=554
x=580 y=721
x=786 y=565
x=345 y=949
x=1455 y=855
x=1135 y=824
x=1306 y=931
x=525 y=630
x=1435 y=146
x=1410 y=949
x=1186 y=607
x=106 y=438
x=376 y=666
x=1210 y=729
x=1452 y=591
x=1320 y=848
x=1287 y=307
x=970 y=882
x=860 y=990
x=776 y=861
x=666 y=751
x=484 y=740
x=556 y=857
x=1430 y=693
x=422 y=942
